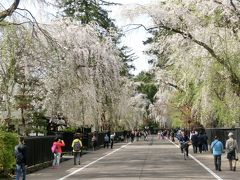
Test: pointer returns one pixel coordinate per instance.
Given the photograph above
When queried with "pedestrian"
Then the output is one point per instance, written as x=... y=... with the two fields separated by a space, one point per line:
x=112 y=139
x=76 y=145
x=231 y=148
x=20 y=152
x=132 y=135
x=184 y=142
x=145 y=134
x=172 y=135
x=205 y=142
x=106 y=141
x=217 y=149
x=57 y=151
x=200 y=142
x=194 y=139
x=125 y=135
x=94 y=140
x=128 y=136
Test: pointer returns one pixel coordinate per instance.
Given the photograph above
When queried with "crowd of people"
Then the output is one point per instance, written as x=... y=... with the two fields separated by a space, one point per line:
x=198 y=140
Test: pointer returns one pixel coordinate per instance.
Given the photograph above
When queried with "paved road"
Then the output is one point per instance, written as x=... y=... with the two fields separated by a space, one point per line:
x=142 y=160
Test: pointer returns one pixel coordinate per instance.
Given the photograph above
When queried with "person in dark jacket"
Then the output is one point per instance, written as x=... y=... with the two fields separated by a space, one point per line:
x=20 y=155
x=200 y=142
x=205 y=142
x=194 y=140
x=184 y=140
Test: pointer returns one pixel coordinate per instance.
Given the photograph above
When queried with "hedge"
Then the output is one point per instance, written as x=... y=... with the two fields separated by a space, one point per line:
x=7 y=160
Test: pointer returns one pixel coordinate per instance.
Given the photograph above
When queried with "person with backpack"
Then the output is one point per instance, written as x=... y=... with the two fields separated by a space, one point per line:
x=57 y=151
x=231 y=148
x=217 y=149
x=20 y=152
x=77 y=146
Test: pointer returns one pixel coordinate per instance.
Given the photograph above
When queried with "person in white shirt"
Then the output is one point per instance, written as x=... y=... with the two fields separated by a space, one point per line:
x=231 y=148
x=112 y=136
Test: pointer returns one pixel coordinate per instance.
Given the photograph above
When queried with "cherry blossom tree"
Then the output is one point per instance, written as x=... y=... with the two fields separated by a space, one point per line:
x=196 y=45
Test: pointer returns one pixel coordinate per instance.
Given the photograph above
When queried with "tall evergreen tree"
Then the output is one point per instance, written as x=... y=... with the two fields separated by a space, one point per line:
x=87 y=11
x=127 y=57
x=147 y=85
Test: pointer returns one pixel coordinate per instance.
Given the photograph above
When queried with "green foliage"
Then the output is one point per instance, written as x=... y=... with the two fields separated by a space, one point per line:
x=222 y=114
x=7 y=143
x=151 y=124
x=39 y=118
x=127 y=57
x=181 y=105
x=144 y=77
x=189 y=96
x=149 y=89
x=39 y=122
x=176 y=122
x=87 y=11
x=224 y=110
x=147 y=86
x=70 y=129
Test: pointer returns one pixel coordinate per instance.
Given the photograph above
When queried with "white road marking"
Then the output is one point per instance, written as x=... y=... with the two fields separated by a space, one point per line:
x=201 y=164
x=82 y=168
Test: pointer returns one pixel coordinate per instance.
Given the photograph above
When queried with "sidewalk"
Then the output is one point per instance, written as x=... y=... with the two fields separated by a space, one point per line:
x=67 y=165
x=145 y=160
x=208 y=160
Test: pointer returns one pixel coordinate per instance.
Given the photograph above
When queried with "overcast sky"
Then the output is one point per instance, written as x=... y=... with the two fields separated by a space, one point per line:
x=133 y=38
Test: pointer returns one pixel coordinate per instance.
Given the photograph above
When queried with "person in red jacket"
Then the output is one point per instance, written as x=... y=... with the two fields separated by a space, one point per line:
x=57 y=144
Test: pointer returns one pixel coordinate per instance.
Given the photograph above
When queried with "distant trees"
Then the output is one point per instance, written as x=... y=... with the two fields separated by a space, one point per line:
x=147 y=85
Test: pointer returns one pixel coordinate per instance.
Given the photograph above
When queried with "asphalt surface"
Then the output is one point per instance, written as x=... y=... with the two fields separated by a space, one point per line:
x=141 y=160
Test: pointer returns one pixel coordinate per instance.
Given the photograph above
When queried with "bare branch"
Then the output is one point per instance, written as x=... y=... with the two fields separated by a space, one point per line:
x=16 y=24
x=138 y=26
x=9 y=11
x=175 y=86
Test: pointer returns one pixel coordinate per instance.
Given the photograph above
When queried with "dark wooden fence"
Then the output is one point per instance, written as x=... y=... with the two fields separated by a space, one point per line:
x=39 y=148
x=222 y=133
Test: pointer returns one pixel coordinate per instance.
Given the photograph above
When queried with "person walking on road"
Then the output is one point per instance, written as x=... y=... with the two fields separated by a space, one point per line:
x=217 y=149
x=57 y=151
x=94 y=140
x=112 y=139
x=76 y=145
x=231 y=148
x=200 y=142
x=132 y=135
x=20 y=152
x=106 y=141
x=184 y=140
x=205 y=142
x=194 y=139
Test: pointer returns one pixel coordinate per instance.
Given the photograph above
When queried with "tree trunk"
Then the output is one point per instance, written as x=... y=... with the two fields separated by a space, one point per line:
x=10 y=10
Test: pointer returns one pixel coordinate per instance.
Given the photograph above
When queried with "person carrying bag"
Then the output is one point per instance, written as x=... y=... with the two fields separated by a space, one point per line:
x=232 y=148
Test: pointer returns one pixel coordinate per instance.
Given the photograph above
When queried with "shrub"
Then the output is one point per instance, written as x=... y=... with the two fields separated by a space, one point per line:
x=7 y=143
